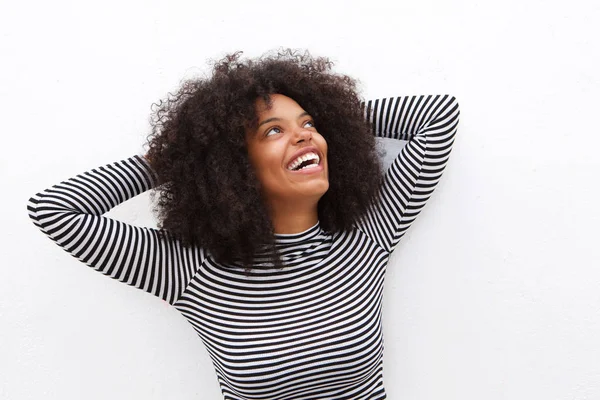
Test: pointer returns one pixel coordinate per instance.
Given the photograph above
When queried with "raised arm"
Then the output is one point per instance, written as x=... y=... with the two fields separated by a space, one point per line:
x=70 y=213
x=429 y=123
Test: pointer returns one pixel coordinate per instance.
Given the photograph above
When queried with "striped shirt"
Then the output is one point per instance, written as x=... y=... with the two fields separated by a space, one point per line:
x=311 y=330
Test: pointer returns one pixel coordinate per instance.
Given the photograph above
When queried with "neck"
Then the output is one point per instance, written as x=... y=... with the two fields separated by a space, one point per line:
x=293 y=218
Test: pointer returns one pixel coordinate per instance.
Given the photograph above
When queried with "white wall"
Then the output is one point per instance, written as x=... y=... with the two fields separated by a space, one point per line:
x=493 y=294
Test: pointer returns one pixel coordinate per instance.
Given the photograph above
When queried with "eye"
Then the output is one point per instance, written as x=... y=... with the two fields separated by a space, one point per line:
x=267 y=133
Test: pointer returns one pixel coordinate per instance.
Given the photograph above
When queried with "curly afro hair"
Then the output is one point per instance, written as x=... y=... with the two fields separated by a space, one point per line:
x=209 y=195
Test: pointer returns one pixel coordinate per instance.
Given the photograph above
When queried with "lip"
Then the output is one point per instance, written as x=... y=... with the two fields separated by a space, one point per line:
x=308 y=170
x=302 y=151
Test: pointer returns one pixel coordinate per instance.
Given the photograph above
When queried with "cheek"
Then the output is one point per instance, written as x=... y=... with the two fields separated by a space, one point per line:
x=270 y=157
x=267 y=165
x=323 y=144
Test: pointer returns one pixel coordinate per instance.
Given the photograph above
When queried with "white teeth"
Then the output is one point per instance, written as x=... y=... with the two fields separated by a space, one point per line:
x=301 y=159
x=309 y=166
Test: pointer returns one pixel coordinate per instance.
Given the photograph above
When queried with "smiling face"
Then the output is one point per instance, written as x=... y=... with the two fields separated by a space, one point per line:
x=285 y=132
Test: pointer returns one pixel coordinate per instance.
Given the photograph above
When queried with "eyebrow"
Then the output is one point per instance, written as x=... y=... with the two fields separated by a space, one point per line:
x=279 y=119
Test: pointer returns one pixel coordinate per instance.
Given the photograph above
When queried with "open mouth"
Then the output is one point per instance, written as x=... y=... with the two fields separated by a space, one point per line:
x=304 y=162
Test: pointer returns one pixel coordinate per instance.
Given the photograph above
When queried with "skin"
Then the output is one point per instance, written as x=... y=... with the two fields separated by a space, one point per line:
x=291 y=198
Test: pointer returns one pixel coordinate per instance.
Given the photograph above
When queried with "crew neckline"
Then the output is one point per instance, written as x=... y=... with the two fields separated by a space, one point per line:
x=294 y=247
x=290 y=238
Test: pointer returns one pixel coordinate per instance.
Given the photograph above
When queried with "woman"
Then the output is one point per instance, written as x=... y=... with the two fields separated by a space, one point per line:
x=276 y=221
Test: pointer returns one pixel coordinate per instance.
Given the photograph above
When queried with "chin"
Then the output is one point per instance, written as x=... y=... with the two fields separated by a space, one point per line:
x=321 y=191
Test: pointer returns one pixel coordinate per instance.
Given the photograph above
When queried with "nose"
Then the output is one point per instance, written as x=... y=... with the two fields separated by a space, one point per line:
x=302 y=134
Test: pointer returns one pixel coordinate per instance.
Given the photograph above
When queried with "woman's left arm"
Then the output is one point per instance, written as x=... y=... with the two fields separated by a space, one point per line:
x=429 y=123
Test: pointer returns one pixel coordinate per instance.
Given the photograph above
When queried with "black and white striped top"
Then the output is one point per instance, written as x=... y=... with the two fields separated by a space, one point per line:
x=312 y=330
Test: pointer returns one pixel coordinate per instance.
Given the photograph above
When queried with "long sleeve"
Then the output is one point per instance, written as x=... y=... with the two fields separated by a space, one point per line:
x=70 y=213
x=429 y=123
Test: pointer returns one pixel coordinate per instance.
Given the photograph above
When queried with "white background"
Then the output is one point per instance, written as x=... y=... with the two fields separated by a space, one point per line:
x=494 y=293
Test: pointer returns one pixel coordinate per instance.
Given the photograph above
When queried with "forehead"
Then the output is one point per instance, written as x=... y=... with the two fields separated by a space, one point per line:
x=277 y=106
x=278 y=103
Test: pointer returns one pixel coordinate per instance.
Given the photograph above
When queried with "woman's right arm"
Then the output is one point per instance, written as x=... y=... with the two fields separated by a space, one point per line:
x=70 y=213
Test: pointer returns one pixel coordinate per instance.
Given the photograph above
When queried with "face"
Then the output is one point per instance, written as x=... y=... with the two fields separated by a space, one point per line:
x=284 y=132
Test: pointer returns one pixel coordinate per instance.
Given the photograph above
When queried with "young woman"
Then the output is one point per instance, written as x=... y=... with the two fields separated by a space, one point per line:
x=276 y=220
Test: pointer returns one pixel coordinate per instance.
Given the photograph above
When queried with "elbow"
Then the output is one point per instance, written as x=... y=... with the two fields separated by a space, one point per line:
x=32 y=208
x=454 y=104
x=453 y=110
